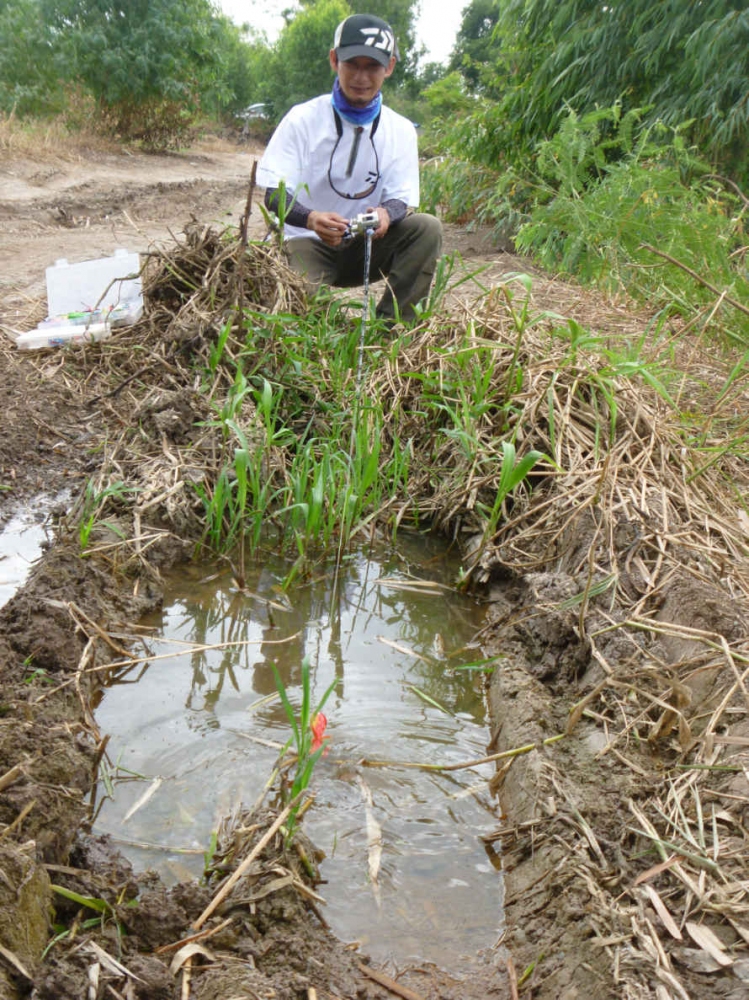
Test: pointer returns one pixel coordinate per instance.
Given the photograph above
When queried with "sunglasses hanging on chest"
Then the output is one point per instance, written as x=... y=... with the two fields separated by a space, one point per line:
x=354 y=168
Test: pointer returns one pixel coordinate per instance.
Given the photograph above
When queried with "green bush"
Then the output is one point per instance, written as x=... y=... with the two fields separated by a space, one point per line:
x=616 y=199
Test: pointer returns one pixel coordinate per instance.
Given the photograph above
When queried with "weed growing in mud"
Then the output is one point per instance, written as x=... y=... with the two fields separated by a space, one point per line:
x=314 y=453
x=307 y=735
x=105 y=911
x=513 y=472
x=32 y=673
x=313 y=482
x=93 y=504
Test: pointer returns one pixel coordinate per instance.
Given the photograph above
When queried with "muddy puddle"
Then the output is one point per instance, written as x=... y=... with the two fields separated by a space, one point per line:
x=21 y=542
x=195 y=731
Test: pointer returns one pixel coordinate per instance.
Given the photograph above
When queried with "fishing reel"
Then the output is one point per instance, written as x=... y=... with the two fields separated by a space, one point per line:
x=362 y=224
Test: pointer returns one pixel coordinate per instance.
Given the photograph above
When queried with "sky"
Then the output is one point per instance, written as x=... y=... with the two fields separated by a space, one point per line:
x=436 y=26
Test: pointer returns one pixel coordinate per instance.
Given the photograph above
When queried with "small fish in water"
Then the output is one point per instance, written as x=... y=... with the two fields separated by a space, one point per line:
x=438 y=645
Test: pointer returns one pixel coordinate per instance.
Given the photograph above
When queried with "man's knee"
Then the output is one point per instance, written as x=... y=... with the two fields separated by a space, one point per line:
x=425 y=233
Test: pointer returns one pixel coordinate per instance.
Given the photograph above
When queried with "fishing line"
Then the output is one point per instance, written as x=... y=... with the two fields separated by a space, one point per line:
x=367 y=223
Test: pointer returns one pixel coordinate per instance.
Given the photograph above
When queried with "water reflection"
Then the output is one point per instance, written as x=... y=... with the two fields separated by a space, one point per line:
x=200 y=719
x=21 y=542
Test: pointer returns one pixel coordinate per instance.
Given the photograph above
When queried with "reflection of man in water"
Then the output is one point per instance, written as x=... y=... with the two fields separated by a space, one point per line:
x=207 y=678
x=314 y=613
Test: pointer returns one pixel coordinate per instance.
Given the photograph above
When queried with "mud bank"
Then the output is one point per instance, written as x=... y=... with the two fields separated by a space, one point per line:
x=593 y=893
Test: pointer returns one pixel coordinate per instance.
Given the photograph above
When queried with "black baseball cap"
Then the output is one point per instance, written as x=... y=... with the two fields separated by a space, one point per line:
x=365 y=35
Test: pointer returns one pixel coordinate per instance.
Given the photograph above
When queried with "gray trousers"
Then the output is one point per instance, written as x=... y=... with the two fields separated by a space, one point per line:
x=406 y=256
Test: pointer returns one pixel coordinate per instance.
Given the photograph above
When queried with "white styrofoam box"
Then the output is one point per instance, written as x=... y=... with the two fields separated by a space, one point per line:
x=79 y=287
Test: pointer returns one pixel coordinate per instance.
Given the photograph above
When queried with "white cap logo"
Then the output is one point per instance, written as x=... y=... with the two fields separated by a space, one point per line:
x=379 y=39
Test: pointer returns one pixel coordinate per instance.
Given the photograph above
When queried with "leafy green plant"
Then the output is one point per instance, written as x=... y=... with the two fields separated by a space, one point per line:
x=210 y=852
x=312 y=484
x=32 y=674
x=632 y=209
x=513 y=472
x=61 y=932
x=104 y=910
x=242 y=493
x=93 y=503
x=217 y=350
x=307 y=735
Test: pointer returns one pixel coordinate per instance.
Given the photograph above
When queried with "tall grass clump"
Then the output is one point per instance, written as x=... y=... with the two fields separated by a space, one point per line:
x=303 y=462
x=633 y=210
x=316 y=451
x=59 y=137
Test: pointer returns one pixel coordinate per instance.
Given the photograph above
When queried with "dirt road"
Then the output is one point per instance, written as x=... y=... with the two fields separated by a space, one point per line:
x=80 y=209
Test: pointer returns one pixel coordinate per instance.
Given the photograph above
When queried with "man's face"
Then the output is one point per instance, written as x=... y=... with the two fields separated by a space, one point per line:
x=360 y=78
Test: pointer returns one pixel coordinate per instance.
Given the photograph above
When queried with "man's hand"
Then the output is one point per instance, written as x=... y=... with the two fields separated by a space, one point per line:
x=329 y=226
x=384 y=221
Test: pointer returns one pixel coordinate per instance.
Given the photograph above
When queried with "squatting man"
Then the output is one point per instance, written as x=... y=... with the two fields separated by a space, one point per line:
x=337 y=157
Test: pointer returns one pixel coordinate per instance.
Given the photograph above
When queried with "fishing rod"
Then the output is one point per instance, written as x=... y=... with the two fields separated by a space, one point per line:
x=365 y=225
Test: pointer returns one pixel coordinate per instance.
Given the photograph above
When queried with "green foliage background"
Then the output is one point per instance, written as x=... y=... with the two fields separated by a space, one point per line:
x=155 y=67
x=605 y=139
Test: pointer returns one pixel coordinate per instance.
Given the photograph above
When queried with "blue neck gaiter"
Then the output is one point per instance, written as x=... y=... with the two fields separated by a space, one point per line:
x=357 y=116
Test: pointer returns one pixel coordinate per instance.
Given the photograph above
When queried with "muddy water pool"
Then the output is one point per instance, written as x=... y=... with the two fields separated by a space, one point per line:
x=21 y=541
x=201 y=721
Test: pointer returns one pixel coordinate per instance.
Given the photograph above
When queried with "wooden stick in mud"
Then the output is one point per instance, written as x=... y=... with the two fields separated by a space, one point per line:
x=18 y=820
x=11 y=776
x=238 y=872
x=502 y=755
x=389 y=984
x=513 y=979
x=186 y=977
x=245 y=220
x=199 y=936
x=77 y=614
x=243 y=238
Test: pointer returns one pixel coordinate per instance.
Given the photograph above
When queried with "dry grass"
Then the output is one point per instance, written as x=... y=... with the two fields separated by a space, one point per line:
x=45 y=141
x=73 y=137
x=209 y=142
x=631 y=489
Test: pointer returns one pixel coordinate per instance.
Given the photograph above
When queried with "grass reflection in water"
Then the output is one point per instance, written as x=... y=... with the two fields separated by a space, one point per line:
x=402 y=844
